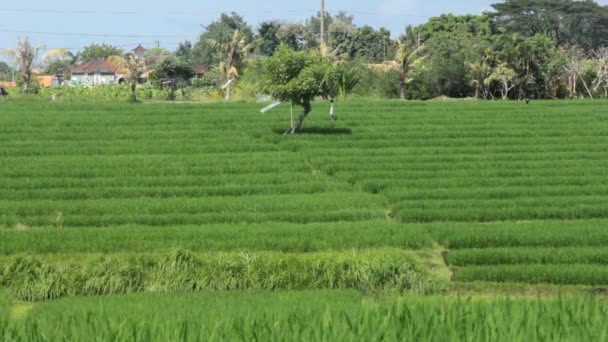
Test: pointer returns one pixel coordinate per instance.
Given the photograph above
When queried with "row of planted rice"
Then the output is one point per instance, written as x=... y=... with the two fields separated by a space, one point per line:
x=306 y=316
x=142 y=173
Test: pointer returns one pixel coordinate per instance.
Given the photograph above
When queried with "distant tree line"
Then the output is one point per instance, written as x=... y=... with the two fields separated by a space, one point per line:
x=520 y=49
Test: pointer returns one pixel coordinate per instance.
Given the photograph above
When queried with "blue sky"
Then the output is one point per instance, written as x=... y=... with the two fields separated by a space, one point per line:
x=126 y=24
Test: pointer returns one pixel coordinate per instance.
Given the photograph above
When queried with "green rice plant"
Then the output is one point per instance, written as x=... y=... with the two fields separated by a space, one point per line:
x=521 y=234
x=283 y=237
x=564 y=274
x=527 y=255
x=309 y=316
x=299 y=208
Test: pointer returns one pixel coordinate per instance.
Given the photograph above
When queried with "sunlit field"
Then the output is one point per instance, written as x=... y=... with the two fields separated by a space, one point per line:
x=447 y=220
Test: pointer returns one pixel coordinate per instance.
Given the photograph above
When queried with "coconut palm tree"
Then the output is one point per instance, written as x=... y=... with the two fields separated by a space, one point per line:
x=58 y=62
x=235 y=52
x=408 y=56
x=24 y=56
x=132 y=68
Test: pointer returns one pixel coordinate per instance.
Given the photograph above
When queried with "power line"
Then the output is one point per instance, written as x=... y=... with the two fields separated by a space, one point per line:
x=114 y=45
x=205 y=12
x=92 y=34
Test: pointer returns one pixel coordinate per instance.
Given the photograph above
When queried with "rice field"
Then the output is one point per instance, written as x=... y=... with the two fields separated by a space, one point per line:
x=394 y=207
x=310 y=316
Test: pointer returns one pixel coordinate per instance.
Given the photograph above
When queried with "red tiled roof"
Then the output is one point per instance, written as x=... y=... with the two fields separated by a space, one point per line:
x=140 y=48
x=8 y=84
x=96 y=66
x=45 y=81
x=155 y=59
x=199 y=69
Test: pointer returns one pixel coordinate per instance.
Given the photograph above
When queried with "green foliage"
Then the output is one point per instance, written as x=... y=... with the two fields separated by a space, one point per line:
x=268 y=34
x=568 y=22
x=378 y=83
x=6 y=72
x=182 y=271
x=107 y=276
x=157 y=51
x=33 y=86
x=347 y=78
x=59 y=67
x=113 y=93
x=372 y=46
x=98 y=51
x=208 y=50
x=297 y=77
x=32 y=280
x=172 y=69
x=306 y=316
x=184 y=51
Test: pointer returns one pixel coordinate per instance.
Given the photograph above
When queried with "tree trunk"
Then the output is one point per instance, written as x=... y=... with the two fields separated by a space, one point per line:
x=26 y=83
x=133 y=91
x=586 y=87
x=402 y=87
x=301 y=118
x=228 y=92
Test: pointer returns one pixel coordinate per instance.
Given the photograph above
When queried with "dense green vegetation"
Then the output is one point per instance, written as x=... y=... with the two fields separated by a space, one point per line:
x=270 y=236
x=133 y=206
x=518 y=49
x=215 y=178
x=310 y=316
x=180 y=271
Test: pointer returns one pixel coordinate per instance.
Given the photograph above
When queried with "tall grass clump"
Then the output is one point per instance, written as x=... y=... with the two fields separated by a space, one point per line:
x=33 y=280
x=108 y=276
x=176 y=272
x=183 y=271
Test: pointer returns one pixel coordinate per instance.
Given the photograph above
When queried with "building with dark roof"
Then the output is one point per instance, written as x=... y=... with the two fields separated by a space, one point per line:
x=96 y=72
x=139 y=51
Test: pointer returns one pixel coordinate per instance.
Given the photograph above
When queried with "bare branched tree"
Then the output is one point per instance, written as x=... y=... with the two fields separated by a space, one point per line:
x=24 y=56
x=133 y=68
x=600 y=64
x=574 y=69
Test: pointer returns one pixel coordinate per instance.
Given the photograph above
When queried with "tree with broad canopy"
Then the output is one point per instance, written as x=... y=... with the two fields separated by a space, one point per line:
x=298 y=77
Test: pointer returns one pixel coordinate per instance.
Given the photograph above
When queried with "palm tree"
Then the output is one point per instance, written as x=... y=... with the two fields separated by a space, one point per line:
x=58 y=62
x=132 y=68
x=236 y=51
x=408 y=56
x=24 y=56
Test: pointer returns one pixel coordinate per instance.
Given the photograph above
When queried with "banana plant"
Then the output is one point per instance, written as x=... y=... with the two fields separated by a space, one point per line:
x=235 y=52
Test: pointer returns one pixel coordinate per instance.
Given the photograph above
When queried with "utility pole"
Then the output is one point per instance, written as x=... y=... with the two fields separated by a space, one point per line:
x=322 y=24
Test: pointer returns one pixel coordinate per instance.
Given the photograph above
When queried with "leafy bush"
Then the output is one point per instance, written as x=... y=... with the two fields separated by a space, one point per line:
x=179 y=271
x=32 y=280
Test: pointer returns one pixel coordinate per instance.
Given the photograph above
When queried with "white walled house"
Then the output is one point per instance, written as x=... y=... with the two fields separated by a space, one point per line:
x=96 y=72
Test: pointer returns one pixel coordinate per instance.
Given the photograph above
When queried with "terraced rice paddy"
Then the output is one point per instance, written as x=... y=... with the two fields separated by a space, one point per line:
x=395 y=198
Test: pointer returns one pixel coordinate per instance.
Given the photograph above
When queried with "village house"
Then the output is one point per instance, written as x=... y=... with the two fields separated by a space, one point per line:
x=96 y=72
x=139 y=51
